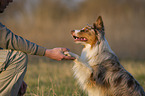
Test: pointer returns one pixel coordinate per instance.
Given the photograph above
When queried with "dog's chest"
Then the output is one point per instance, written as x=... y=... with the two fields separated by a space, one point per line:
x=89 y=55
x=83 y=74
x=88 y=52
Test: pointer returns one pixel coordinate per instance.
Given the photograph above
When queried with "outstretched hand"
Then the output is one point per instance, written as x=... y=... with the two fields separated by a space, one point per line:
x=58 y=54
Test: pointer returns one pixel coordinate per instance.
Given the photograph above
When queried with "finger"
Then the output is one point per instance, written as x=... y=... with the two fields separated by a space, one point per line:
x=65 y=49
x=69 y=58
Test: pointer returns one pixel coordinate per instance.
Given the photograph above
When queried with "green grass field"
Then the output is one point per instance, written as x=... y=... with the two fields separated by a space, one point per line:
x=56 y=78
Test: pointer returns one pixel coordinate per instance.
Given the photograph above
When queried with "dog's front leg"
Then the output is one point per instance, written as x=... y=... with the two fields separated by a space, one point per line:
x=71 y=54
x=79 y=60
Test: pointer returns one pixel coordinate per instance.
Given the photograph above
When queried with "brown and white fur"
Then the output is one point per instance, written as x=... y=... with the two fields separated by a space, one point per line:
x=98 y=70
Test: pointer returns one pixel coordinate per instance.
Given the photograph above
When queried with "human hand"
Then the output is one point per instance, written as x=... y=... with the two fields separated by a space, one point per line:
x=22 y=89
x=58 y=54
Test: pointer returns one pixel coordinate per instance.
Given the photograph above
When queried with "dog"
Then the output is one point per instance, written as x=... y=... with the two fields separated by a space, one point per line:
x=98 y=70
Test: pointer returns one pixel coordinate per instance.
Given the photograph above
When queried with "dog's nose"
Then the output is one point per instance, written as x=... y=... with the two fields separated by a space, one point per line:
x=72 y=31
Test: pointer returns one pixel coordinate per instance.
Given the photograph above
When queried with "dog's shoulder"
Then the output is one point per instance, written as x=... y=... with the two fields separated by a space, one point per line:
x=100 y=70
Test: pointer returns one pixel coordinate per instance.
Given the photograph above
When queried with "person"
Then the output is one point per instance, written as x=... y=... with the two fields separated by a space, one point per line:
x=13 y=58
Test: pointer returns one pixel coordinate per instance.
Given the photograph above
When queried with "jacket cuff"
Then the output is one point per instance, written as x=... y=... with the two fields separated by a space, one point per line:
x=40 y=51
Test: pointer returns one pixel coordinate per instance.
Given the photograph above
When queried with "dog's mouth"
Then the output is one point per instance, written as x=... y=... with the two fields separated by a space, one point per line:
x=80 y=38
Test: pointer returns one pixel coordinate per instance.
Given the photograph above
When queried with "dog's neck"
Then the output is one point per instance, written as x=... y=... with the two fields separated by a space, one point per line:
x=95 y=55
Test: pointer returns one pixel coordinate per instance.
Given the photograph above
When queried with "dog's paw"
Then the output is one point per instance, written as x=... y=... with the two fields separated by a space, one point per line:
x=71 y=54
x=66 y=53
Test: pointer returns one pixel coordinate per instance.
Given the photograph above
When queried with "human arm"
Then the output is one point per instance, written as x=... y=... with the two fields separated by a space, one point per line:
x=8 y=40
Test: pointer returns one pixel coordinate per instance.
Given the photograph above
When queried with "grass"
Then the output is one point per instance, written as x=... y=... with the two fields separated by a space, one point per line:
x=56 y=78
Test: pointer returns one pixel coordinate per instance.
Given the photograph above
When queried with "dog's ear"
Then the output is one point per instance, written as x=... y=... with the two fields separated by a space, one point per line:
x=99 y=24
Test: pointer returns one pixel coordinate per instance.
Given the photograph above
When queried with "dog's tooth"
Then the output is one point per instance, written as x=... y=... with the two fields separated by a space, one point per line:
x=78 y=38
x=85 y=39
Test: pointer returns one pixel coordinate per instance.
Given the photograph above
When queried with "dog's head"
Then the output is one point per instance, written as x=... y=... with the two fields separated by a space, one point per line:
x=89 y=34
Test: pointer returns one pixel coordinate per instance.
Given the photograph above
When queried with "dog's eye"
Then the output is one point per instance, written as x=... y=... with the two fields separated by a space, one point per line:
x=82 y=31
x=87 y=30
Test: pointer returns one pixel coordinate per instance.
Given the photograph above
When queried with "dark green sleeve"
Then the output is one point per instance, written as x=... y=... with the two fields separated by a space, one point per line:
x=9 y=40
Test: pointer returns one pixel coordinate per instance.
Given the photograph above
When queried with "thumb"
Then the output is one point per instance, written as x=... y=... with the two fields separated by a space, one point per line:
x=65 y=49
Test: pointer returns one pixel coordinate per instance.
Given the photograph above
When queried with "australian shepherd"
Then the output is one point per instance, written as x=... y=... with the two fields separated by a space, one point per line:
x=98 y=70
